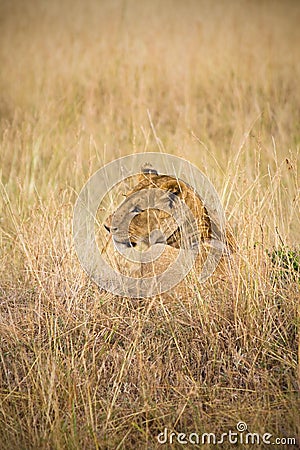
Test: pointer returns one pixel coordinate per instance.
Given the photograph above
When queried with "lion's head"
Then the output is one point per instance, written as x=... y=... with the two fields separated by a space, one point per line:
x=145 y=220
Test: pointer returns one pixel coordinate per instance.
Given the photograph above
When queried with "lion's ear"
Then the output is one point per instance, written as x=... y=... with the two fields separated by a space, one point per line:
x=175 y=189
x=173 y=186
x=148 y=168
x=147 y=171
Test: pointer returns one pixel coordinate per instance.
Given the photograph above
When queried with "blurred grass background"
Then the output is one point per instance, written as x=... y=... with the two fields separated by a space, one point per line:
x=82 y=83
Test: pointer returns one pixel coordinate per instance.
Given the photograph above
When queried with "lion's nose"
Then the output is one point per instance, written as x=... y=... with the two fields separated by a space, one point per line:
x=110 y=229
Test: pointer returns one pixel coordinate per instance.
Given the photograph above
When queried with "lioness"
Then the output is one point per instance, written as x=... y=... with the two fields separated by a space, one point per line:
x=143 y=222
x=137 y=221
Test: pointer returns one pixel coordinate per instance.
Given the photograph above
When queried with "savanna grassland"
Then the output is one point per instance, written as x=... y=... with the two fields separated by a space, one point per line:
x=82 y=83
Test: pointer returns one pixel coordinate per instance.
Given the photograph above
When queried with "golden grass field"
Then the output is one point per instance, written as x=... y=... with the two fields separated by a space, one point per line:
x=82 y=83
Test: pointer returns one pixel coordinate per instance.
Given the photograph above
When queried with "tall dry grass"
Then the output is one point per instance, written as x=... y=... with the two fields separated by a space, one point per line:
x=85 y=82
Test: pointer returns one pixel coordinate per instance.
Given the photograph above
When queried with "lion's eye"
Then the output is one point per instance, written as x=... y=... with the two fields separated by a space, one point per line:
x=136 y=209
